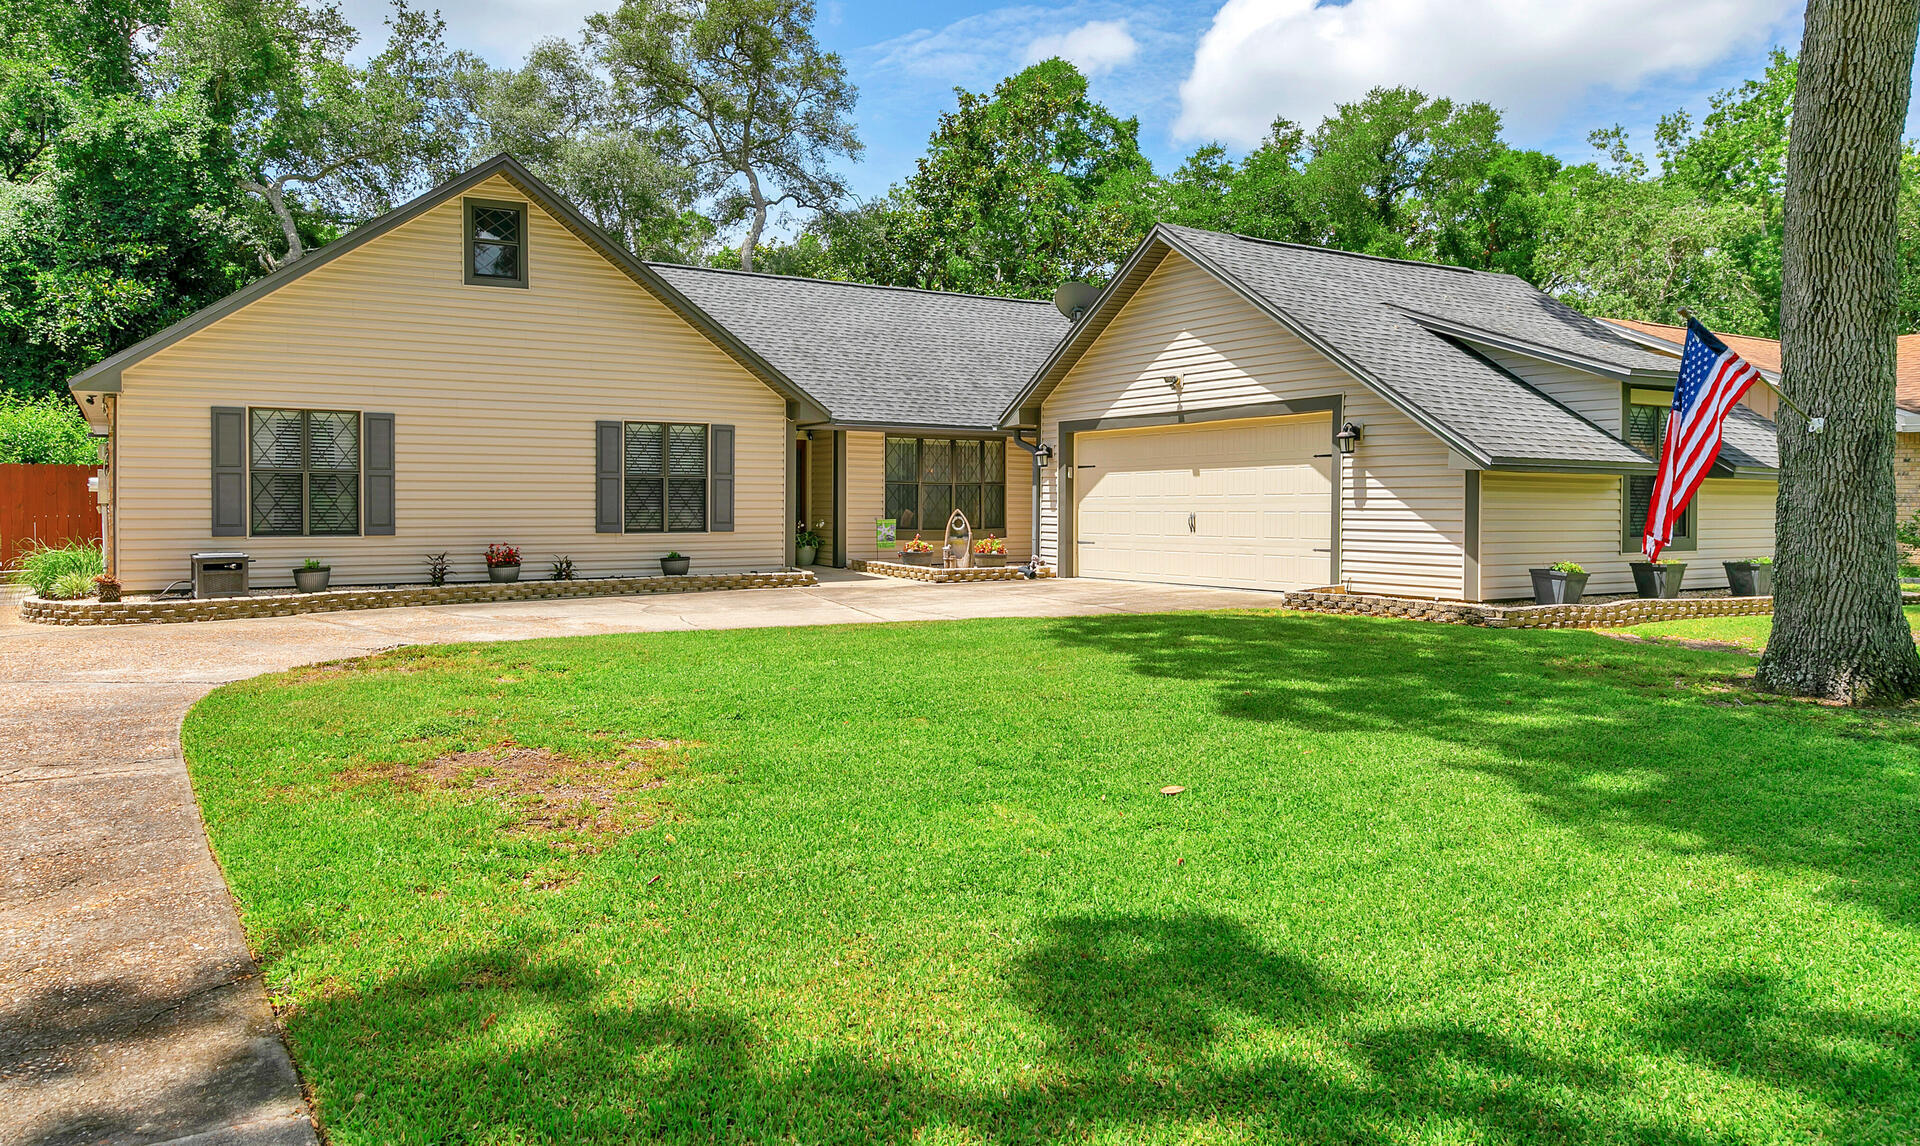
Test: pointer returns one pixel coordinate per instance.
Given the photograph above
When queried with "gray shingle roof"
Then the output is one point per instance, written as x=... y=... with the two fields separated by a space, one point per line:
x=1397 y=325
x=882 y=355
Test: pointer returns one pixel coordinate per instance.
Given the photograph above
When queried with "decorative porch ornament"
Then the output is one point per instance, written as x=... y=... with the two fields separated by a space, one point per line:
x=958 y=553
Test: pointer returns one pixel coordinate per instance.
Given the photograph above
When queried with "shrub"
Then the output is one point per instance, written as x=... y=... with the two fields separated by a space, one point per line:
x=437 y=568
x=43 y=565
x=70 y=586
x=44 y=431
x=561 y=569
x=1571 y=568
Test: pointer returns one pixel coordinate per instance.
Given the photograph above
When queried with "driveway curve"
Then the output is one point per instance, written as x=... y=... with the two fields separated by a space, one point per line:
x=131 y=1011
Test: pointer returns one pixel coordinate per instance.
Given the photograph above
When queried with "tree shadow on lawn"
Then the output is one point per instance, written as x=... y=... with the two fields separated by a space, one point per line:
x=1155 y=1029
x=1665 y=745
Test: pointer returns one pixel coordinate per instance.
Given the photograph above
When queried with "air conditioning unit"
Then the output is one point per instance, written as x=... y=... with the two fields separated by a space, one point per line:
x=220 y=574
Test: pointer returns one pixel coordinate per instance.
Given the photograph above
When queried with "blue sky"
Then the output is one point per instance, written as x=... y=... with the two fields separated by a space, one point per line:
x=1195 y=70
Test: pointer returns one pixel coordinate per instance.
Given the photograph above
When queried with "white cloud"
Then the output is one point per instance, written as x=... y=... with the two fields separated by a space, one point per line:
x=1095 y=47
x=1533 y=59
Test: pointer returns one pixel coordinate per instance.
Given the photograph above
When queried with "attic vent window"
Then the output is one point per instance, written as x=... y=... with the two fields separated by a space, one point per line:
x=496 y=243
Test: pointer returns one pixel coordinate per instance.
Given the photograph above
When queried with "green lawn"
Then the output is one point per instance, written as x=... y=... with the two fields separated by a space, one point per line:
x=1747 y=632
x=1426 y=884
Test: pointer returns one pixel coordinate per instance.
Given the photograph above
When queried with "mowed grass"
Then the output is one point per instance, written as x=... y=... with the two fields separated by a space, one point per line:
x=1749 y=633
x=1426 y=884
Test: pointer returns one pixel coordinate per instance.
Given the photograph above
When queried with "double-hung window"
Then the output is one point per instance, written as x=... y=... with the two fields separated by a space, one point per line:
x=1646 y=422
x=303 y=472
x=667 y=468
x=929 y=478
x=496 y=243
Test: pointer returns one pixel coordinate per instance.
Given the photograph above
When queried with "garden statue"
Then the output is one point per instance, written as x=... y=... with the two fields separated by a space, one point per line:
x=959 y=547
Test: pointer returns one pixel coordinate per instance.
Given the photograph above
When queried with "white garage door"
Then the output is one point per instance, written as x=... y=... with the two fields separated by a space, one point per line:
x=1244 y=503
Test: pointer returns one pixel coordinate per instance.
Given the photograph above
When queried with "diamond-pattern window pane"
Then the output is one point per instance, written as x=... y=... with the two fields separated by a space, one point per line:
x=1646 y=428
x=276 y=439
x=966 y=499
x=496 y=261
x=966 y=461
x=993 y=507
x=646 y=450
x=498 y=224
x=687 y=504
x=687 y=451
x=936 y=502
x=936 y=460
x=276 y=503
x=903 y=459
x=333 y=503
x=333 y=441
x=993 y=461
x=903 y=505
x=646 y=506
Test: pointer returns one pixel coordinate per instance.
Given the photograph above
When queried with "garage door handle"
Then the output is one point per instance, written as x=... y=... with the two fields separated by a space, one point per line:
x=1190 y=522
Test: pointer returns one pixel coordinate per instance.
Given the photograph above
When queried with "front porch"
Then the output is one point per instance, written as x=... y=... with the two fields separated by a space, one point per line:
x=847 y=482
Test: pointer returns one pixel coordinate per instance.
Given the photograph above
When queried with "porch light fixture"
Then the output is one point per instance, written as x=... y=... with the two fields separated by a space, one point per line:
x=1348 y=437
x=1043 y=453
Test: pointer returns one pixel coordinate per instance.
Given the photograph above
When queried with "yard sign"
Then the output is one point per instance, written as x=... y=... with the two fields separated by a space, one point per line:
x=883 y=532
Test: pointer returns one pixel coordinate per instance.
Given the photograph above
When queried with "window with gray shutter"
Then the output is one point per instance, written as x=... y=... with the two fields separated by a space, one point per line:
x=303 y=472
x=667 y=477
x=378 y=432
x=607 y=514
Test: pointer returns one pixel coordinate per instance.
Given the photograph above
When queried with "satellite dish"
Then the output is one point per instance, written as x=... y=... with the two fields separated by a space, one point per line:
x=1073 y=299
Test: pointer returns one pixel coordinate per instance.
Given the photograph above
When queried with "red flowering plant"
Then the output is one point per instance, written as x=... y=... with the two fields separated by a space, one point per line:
x=916 y=545
x=498 y=555
x=990 y=545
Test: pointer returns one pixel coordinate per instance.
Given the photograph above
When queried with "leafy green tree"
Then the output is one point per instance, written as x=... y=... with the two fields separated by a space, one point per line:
x=558 y=114
x=758 y=108
x=44 y=431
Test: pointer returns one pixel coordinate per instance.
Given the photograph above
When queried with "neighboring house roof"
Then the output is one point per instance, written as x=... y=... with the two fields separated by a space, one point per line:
x=1401 y=328
x=882 y=356
x=104 y=377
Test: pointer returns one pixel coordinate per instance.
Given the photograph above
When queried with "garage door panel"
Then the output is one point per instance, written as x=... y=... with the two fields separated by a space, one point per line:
x=1228 y=503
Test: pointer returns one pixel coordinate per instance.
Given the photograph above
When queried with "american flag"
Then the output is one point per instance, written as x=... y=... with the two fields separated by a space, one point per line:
x=1712 y=379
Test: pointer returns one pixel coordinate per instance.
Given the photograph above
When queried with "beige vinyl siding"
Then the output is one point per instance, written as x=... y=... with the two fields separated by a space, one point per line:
x=1592 y=396
x=867 y=496
x=1402 y=509
x=1532 y=520
x=494 y=395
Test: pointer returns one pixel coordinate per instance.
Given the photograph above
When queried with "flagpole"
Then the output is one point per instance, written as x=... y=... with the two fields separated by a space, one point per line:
x=1814 y=425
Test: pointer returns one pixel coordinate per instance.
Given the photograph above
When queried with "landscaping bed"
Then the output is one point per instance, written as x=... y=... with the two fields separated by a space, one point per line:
x=918 y=882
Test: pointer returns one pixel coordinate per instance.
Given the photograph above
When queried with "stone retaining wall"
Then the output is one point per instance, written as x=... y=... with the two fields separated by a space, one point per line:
x=1598 y=615
x=153 y=611
x=940 y=575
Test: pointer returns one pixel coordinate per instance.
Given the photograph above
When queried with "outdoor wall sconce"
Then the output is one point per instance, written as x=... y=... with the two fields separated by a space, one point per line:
x=1348 y=437
x=1043 y=453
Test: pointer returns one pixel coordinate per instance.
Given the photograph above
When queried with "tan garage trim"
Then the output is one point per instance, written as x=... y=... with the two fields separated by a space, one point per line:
x=1068 y=552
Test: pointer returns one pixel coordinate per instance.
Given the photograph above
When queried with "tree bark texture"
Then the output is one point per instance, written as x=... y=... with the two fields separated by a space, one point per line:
x=1838 y=631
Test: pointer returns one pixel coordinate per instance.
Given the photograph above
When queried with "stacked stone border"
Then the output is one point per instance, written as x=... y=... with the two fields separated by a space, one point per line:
x=155 y=611
x=939 y=575
x=1600 y=614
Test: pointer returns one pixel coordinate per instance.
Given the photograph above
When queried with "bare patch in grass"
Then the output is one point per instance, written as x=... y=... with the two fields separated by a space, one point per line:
x=546 y=791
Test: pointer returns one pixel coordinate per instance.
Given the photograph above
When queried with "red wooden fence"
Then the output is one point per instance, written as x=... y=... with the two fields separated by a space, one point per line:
x=48 y=504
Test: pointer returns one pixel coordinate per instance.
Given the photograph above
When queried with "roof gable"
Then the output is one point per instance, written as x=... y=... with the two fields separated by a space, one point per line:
x=104 y=376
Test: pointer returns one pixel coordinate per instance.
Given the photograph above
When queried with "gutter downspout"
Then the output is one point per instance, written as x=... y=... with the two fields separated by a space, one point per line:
x=1031 y=568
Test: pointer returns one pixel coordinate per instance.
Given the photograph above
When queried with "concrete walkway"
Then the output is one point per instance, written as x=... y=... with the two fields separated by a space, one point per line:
x=130 y=1008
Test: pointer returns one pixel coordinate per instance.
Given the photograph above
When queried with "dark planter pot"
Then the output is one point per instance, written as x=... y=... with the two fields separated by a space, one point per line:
x=989 y=561
x=675 y=566
x=1746 y=579
x=1658 y=581
x=501 y=574
x=916 y=558
x=1552 y=587
x=312 y=580
x=804 y=554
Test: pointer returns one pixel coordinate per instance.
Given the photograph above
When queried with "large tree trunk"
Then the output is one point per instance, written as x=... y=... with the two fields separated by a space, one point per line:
x=1837 y=627
x=759 y=224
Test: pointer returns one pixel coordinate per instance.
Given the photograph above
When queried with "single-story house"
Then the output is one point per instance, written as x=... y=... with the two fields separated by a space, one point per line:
x=1764 y=353
x=1244 y=412
x=484 y=365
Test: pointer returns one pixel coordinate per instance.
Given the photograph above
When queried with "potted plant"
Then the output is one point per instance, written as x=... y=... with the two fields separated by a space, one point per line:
x=806 y=545
x=312 y=576
x=107 y=586
x=990 y=552
x=503 y=563
x=916 y=552
x=1750 y=578
x=1658 y=578
x=1560 y=583
x=675 y=564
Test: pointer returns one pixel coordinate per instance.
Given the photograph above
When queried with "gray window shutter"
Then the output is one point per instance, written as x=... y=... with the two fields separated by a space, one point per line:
x=608 y=515
x=376 y=447
x=229 y=471
x=720 y=479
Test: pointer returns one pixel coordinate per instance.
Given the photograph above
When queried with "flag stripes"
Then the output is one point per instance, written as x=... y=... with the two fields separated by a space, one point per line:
x=1712 y=380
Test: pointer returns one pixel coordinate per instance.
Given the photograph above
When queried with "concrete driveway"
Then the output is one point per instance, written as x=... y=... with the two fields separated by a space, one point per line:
x=130 y=1008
